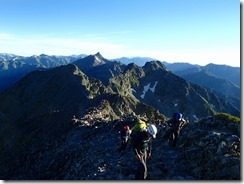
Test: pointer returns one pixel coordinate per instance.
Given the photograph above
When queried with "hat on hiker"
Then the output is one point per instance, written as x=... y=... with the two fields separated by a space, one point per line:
x=152 y=129
x=126 y=128
x=178 y=116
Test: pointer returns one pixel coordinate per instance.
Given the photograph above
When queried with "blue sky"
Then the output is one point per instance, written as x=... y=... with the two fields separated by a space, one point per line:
x=194 y=31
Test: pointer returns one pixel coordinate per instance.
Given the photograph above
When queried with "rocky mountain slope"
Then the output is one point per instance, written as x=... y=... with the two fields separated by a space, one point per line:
x=218 y=78
x=95 y=66
x=61 y=93
x=154 y=85
x=40 y=138
x=151 y=84
x=207 y=150
x=217 y=84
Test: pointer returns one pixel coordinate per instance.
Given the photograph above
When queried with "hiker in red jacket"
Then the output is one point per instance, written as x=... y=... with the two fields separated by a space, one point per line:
x=125 y=137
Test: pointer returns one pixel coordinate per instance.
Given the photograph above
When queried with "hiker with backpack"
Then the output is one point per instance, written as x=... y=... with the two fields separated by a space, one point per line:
x=125 y=137
x=142 y=147
x=139 y=125
x=176 y=123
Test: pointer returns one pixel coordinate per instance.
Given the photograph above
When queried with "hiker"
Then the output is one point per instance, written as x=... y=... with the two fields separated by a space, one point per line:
x=125 y=137
x=142 y=146
x=176 y=123
x=139 y=125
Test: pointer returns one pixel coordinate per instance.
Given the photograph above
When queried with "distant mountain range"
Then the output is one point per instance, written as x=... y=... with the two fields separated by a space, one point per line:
x=226 y=72
x=221 y=79
x=151 y=84
x=13 y=67
x=140 y=61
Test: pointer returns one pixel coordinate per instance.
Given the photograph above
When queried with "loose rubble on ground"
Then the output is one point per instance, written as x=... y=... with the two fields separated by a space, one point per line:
x=207 y=150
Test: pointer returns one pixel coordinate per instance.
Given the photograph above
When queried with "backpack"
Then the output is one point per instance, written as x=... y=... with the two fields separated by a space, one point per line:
x=138 y=127
x=140 y=124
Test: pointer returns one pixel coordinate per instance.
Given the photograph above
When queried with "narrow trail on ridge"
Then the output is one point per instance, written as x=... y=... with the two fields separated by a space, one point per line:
x=165 y=164
x=91 y=152
x=97 y=147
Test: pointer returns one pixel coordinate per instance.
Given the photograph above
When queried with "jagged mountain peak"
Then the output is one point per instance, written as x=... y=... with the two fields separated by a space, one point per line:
x=43 y=55
x=131 y=66
x=69 y=67
x=68 y=70
x=154 y=65
x=99 y=55
x=91 y=61
x=211 y=65
x=97 y=58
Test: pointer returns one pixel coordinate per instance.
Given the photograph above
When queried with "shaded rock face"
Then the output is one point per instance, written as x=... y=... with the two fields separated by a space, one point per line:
x=207 y=150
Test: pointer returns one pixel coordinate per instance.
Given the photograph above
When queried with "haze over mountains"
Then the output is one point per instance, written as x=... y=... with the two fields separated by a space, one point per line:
x=36 y=113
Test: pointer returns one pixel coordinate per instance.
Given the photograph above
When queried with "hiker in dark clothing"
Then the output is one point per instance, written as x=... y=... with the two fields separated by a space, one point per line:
x=125 y=137
x=176 y=123
x=142 y=146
